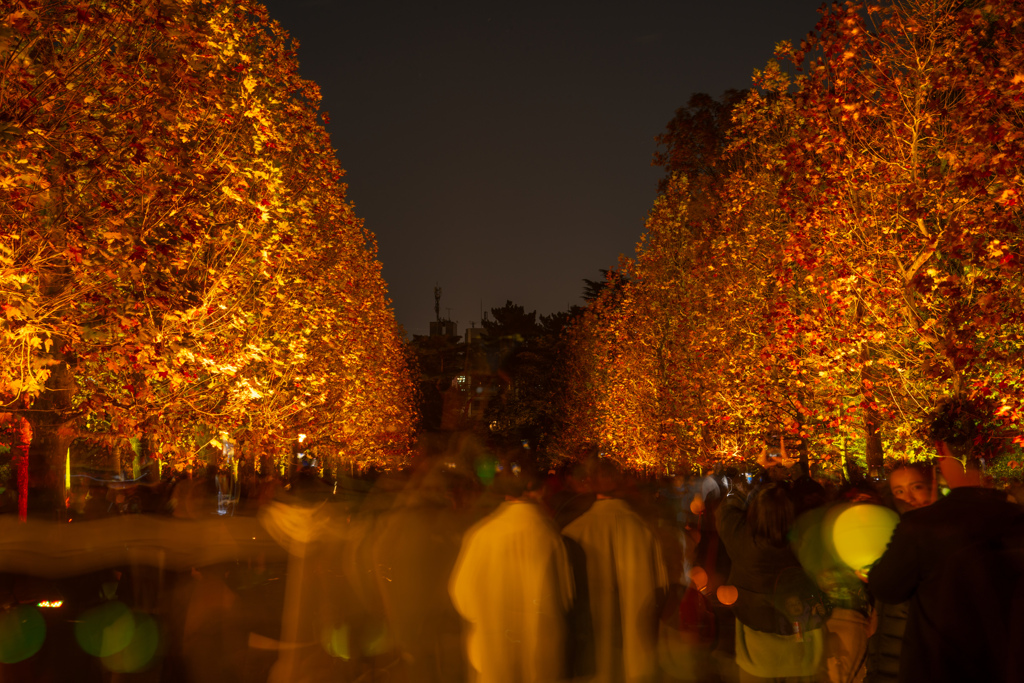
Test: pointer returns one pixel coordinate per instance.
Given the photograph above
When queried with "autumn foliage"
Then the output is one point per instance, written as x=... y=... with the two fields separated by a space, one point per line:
x=177 y=255
x=846 y=255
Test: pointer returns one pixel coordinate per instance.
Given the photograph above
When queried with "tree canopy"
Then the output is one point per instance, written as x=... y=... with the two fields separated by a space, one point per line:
x=176 y=246
x=831 y=254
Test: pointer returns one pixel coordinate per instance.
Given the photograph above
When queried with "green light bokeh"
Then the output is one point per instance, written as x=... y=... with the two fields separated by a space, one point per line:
x=106 y=629
x=486 y=469
x=22 y=632
x=140 y=651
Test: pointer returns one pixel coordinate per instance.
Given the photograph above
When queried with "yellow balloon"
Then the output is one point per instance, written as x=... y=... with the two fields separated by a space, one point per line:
x=861 y=534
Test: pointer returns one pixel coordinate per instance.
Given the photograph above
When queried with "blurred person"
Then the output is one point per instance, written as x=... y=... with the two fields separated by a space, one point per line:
x=513 y=586
x=206 y=610
x=778 y=630
x=371 y=639
x=848 y=623
x=267 y=487
x=194 y=496
x=626 y=577
x=413 y=555
x=808 y=494
x=572 y=499
x=1015 y=492
x=957 y=561
x=706 y=569
x=709 y=552
x=688 y=621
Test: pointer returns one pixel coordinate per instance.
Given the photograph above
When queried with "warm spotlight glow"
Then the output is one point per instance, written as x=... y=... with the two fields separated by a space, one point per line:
x=699 y=578
x=727 y=595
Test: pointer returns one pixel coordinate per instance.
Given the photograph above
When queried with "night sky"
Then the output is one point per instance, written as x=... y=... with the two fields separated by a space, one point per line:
x=503 y=151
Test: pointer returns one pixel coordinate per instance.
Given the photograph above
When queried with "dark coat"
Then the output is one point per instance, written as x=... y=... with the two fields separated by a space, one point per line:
x=949 y=560
x=756 y=570
x=884 y=646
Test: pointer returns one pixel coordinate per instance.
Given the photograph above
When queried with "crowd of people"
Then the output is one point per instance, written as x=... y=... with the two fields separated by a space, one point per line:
x=595 y=575
x=471 y=568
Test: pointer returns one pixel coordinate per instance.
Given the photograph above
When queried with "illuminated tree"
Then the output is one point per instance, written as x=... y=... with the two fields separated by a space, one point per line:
x=776 y=302
x=176 y=243
x=851 y=257
x=629 y=351
x=901 y=186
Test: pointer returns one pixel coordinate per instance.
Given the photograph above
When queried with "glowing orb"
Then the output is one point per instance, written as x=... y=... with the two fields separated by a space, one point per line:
x=105 y=629
x=727 y=595
x=861 y=533
x=486 y=469
x=140 y=650
x=22 y=632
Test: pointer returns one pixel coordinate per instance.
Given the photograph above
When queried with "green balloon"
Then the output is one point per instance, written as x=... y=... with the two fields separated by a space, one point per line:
x=105 y=629
x=140 y=651
x=22 y=632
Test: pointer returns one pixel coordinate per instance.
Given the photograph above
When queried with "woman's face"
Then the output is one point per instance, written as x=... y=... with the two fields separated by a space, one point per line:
x=910 y=486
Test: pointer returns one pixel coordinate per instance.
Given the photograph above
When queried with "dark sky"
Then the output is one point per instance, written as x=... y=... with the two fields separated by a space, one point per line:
x=503 y=150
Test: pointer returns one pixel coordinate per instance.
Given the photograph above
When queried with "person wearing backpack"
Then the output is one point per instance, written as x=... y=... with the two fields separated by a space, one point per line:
x=779 y=620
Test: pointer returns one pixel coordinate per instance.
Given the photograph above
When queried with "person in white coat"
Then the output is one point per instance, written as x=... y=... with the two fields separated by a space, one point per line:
x=626 y=578
x=512 y=584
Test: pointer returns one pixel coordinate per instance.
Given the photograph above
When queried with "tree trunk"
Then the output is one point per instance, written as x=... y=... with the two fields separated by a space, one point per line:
x=20 y=458
x=20 y=461
x=872 y=420
x=873 y=441
x=48 y=457
x=149 y=456
x=53 y=432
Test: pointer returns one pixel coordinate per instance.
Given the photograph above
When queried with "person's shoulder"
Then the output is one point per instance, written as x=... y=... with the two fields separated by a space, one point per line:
x=978 y=501
x=610 y=510
x=612 y=507
x=491 y=519
x=733 y=504
x=628 y=517
x=967 y=506
x=516 y=515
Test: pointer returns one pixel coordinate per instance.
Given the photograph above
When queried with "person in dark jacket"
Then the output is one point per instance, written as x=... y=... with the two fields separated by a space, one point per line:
x=776 y=635
x=944 y=560
x=950 y=560
x=886 y=643
x=912 y=487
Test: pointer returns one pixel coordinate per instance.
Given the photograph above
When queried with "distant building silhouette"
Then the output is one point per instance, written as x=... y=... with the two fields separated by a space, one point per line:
x=444 y=328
